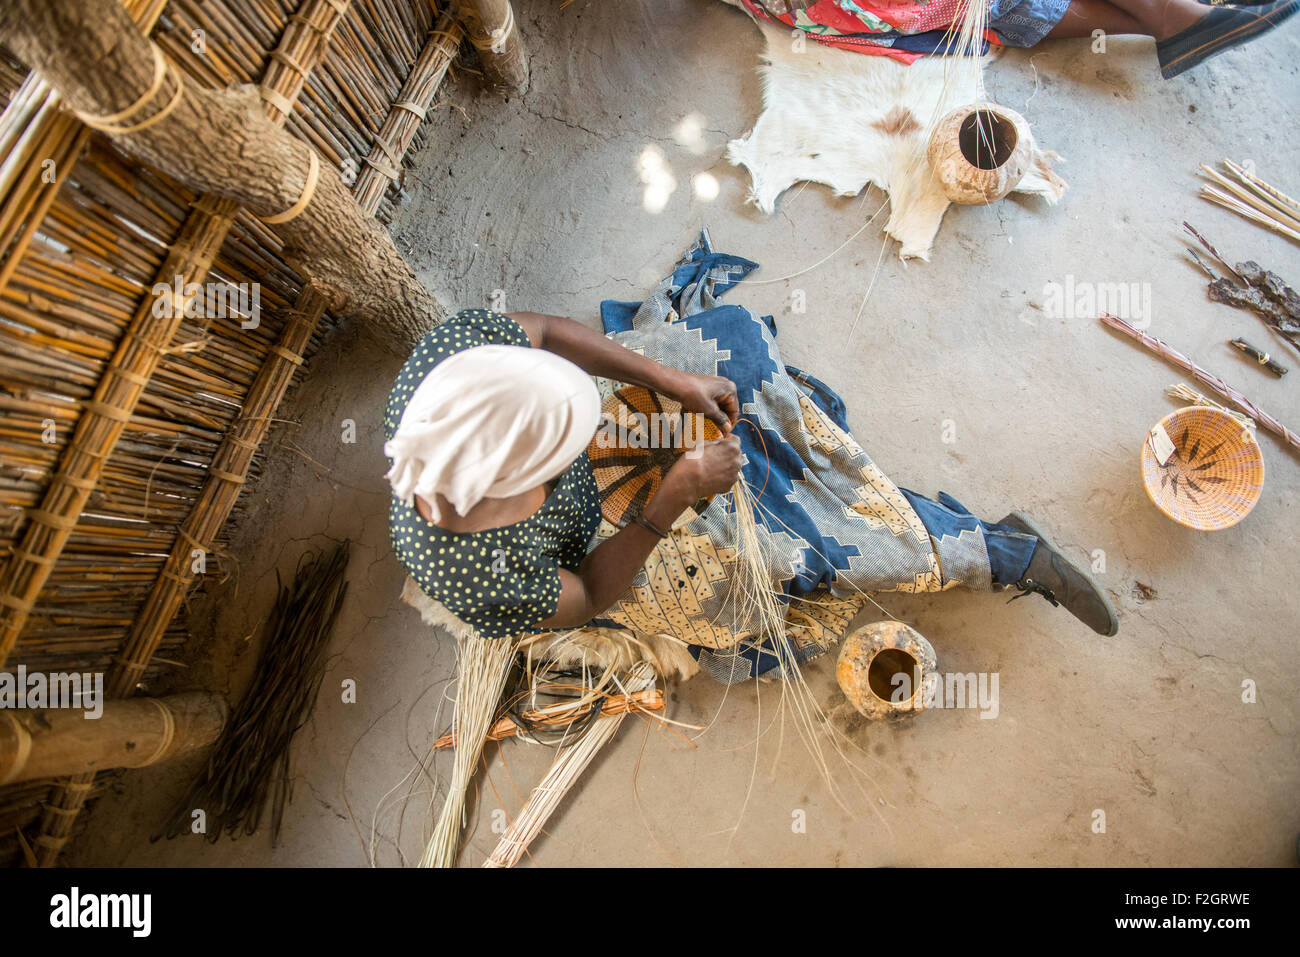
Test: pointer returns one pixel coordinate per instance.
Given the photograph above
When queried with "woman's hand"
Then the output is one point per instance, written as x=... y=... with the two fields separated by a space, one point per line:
x=711 y=395
x=711 y=468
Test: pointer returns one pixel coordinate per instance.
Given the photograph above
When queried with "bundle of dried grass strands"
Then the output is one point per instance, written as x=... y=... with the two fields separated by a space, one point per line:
x=249 y=770
x=568 y=690
x=1250 y=197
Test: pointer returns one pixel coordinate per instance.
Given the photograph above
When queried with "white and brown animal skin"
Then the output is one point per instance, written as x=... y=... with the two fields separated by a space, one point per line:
x=847 y=119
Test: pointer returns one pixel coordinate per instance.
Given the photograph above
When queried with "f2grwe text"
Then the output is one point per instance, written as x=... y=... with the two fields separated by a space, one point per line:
x=76 y=909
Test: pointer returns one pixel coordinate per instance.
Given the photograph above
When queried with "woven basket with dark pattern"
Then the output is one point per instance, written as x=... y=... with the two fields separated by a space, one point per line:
x=1215 y=475
x=630 y=456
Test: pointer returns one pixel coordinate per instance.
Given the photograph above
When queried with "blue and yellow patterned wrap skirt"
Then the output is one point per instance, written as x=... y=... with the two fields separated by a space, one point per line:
x=835 y=525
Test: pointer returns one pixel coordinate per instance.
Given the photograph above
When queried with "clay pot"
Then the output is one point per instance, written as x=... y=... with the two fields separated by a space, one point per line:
x=980 y=152
x=885 y=669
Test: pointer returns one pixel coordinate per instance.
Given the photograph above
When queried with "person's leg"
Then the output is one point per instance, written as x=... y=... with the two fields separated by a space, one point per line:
x=1085 y=16
x=1187 y=32
x=1020 y=555
x=1056 y=578
x=1009 y=549
x=1151 y=18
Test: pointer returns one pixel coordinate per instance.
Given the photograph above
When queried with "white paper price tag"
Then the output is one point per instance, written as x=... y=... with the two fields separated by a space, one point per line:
x=1161 y=444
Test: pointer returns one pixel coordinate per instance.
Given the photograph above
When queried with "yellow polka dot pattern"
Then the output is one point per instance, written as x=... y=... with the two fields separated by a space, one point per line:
x=503 y=581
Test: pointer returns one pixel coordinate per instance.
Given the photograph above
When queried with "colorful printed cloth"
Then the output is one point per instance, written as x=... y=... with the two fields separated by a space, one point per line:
x=905 y=29
x=833 y=525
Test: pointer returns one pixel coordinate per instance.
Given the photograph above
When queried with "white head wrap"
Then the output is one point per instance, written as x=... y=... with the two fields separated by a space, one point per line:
x=491 y=422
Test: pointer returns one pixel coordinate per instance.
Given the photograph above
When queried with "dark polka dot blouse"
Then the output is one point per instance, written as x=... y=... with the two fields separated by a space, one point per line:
x=503 y=581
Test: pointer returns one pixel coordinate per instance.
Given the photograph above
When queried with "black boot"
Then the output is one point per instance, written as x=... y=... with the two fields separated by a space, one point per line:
x=1061 y=582
x=1223 y=28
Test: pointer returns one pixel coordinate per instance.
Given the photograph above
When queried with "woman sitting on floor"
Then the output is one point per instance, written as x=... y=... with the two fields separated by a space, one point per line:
x=496 y=514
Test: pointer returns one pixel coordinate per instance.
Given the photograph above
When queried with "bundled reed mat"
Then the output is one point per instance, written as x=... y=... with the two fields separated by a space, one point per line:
x=83 y=244
x=250 y=767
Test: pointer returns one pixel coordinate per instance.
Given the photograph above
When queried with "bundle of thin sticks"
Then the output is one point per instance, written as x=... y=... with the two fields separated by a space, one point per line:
x=563 y=715
x=483 y=664
x=1247 y=195
x=1185 y=394
x=1172 y=355
x=249 y=767
x=559 y=706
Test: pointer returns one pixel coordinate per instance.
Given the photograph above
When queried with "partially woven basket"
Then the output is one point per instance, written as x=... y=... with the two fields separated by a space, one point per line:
x=1215 y=475
x=641 y=437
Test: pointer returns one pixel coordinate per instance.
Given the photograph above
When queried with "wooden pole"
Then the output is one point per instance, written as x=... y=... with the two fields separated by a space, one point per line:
x=222 y=143
x=104 y=418
x=221 y=491
x=491 y=27
x=52 y=742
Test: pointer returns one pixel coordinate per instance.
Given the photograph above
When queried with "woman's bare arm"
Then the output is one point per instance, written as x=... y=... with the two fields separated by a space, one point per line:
x=610 y=567
x=713 y=396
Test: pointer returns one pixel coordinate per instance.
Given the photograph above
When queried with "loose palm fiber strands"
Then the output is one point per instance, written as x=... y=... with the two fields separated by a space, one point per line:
x=483 y=664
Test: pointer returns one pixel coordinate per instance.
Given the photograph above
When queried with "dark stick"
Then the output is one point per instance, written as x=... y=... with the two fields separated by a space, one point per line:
x=1211 y=250
x=1262 y=358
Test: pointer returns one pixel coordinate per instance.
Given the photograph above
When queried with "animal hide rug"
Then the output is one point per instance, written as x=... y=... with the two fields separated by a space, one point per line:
x=835 y=117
